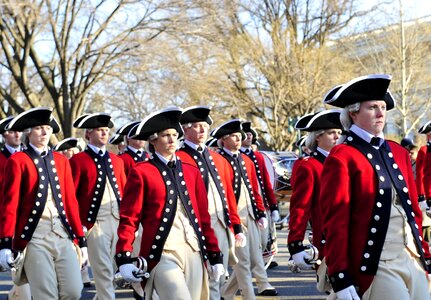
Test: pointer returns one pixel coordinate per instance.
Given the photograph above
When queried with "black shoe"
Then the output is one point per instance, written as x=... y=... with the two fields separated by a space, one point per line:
x=273 y=264
x=268 y=292
x=136 y=296
x=87 y=284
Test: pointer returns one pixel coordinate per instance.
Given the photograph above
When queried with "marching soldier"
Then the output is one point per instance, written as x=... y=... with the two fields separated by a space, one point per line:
x=168 y=197
x=195 y=122
x=39 y=213
x=134 y=151
x=69 y=147
x=420 y=163
x=372 y=220
x=251 y=211
x=324 y=130
x=265 y=188
x=132 y=154
x=12 y=144
x=99 y=179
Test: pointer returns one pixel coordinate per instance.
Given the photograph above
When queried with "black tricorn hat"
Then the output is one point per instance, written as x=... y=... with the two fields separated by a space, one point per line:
x=301 y=141
x=4 y=122
x=91 y=121
x=116 y=139
x=326 y=119
x=132 y=131
x=197 y=113
x=126 y=128
x=158 y=121
x=407 y=143
x=364 y=88
x=212 y=142
x=34 y=117
x=67 y=144
x=246 y=127
x=229 y=127
x=303 y=121
x=426 y=128
x=329 y=95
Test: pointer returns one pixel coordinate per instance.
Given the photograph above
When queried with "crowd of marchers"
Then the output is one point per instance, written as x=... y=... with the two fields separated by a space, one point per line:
x=185 y=212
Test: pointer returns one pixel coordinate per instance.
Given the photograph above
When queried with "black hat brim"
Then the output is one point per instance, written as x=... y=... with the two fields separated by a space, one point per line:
x=229 y=127
x=66 y=144
x=364 y=88
x=92 y=121
x=196 y=114
x=34 y=117
x=327 y=119
x=168 y=118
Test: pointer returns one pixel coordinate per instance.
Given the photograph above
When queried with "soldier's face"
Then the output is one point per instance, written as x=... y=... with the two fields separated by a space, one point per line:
x=197 y=133
x=99 y=136
x=40 y=135
x=328 y=139
x=70 y=152
x=248 y=140
x=371 y=116
x=12 y=138
x=137 y=144
x=233 y=141
x=166 y=142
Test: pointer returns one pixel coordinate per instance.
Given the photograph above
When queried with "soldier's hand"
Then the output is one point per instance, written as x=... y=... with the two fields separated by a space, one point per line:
x=349 y=293
x=216 y=271
x=240 y=240
x=6 y=259
x=262 y=223
x=128 y=271
x=275 y=215
x=84 y=256
x=300 y=260
x=423 y=205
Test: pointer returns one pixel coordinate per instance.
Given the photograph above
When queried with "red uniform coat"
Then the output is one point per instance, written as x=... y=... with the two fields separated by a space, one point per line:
x=84 y=173
x=144 y=202
x=420 y=162
x=251 y=174
x=129 y=162
x=19 y=195
x=348 y=192
x=294 y=169
x=304 y=205
x=3 y=160
x=270 y=200
x=225 y=177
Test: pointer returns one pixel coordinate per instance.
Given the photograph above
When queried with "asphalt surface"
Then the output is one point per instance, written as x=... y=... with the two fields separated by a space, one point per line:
x=289 y=285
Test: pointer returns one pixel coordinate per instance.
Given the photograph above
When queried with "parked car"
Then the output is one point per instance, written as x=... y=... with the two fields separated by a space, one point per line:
x=279 y=165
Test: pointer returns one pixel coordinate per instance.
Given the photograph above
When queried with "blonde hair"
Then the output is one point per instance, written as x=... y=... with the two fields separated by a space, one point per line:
x=345 y=119
x=149 y=148
x=311 y=142
x=24 y=137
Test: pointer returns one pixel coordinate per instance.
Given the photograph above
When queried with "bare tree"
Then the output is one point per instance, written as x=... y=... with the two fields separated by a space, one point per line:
x=268 y=59
x=56 y=51
x=401 y=49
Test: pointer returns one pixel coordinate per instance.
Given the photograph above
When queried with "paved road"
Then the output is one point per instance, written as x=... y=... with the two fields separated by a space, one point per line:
x=290 y=286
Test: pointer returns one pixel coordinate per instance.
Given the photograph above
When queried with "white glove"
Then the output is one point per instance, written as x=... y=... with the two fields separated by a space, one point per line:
x=127 y=270
x=84 y=256
x=423 y=205
x=216 y=271
x=299 y=259
x=240 y=240
x=275 y=215
x=6 y=259
x=349 y=293
x=262 y=223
